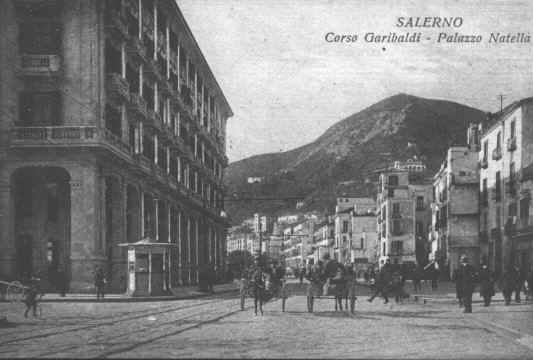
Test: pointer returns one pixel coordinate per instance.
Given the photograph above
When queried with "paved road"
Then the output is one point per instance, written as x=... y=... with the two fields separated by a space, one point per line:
x=215 y=327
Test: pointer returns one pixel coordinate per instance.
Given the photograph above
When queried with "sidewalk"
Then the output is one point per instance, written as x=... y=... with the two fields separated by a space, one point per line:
x=180 y=293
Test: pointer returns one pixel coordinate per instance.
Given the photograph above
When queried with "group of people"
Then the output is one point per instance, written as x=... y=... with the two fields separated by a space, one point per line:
x=389 y=281
x=513 y=280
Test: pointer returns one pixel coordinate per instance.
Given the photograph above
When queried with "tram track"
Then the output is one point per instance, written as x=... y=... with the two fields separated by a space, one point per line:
x=111 y=322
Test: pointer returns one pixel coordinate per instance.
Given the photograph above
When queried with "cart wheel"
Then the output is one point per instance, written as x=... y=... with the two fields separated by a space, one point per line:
x=15 y=292
x=310 y=304
x=283 y=304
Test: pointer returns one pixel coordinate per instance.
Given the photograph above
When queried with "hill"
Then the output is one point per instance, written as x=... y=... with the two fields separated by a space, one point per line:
x=350 y=151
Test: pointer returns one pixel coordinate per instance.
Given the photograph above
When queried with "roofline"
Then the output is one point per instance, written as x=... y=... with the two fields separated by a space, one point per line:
x=189 y=32
x=501 y=115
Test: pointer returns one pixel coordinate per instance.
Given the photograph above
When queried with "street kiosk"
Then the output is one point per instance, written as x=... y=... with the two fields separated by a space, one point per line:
x=148 y=267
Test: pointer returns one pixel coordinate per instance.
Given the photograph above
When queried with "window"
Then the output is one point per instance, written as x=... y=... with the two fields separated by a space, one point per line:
x=396 y=227
x=344 y=239
x=113 y=59
x=40 y=109
x=362 y=243
x=391 y=193
x=499 y=140
x=396 y=210
x=419 y=228
x=497 y=216
x=113 y=120
x=485 y=225
x=345 y=226
x=484 y=193
x=485 y=150
x=420 y=203
x=383 y=249
x=397 y=247
x=393 y=180
x=513 y=129
x=498 y=186
x=52 y=203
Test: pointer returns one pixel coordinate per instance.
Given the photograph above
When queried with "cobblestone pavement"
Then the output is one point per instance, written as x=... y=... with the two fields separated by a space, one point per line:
x=215 y=327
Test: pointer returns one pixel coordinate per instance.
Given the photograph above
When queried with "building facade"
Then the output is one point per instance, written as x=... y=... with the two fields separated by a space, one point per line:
x=506 y=183
x=455 y=209
x=403 y=214
x=113 y=130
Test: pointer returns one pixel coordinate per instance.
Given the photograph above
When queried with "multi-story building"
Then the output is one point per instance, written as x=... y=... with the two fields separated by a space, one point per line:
x=506 y=182
x=455 y=212
x=113 y=130
x=364 y=237
x=323 y=239
x=403 y=214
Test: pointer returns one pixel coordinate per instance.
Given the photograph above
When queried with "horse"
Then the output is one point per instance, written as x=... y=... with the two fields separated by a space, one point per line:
x=338 y=286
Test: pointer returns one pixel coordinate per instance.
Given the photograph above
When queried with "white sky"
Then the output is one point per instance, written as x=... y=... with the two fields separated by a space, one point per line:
x=287 y=85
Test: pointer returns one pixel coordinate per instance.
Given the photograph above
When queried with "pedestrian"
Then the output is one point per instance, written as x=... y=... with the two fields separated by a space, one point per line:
x=258 y=286
x=465 y=279
x=417 y=279
x=211 y=278
x=529 y=284
x=458 y=289
x=397 y=286
x=30 y=297
x=508 y=284
x=486 y=284
x=383 y=282
x=99 y=282
x=301 y=274
x=434 y=277
x=519 y=283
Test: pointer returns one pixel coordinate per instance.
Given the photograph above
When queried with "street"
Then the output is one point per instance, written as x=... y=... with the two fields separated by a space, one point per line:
x=215 y=327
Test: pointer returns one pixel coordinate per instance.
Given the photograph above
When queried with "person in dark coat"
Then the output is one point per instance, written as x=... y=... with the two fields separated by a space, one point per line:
x=508 y=284
x=99 y=282
x=417 y=279
x=458 y=289
x=486 y=284
x=519 y=284
x=466 y=277
x=383 y=282
x=258 y=286
x=31 y=294
x=434 y=277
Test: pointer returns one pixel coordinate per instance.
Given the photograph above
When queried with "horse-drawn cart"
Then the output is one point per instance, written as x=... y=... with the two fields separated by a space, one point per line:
x=339 y=288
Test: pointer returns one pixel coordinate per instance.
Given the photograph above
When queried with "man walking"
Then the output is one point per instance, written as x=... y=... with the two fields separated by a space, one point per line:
x=466 y=282
x=383 y=282
x=99 y=283
x=486 y=284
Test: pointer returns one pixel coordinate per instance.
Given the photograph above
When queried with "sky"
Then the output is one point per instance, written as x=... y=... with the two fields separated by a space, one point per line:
x=286 y=84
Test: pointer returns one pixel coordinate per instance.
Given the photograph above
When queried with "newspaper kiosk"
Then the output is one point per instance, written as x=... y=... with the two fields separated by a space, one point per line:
x=148 y=265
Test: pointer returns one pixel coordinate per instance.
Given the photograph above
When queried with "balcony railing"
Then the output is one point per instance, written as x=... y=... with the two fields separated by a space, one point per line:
x=497 y=154
x=511 y=144
x=138 y=104
x=118 y=86
x=32 y=64
x=136 y=48
x=52 y=134
x=116 y=141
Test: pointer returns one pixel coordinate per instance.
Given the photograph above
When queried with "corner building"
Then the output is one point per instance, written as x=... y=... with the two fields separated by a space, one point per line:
x=112 y=130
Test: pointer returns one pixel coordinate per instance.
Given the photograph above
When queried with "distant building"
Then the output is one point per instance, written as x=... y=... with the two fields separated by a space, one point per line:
x=455 y=209
x=403 y=215
x=506 y=183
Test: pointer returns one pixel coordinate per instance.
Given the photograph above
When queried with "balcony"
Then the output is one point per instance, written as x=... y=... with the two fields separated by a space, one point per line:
x=36 y=65
x=511 y=144
x=483 y=163
x=497 y=154
x=135 y=48
x=117 y=86
x=66 y=136
x=53 y=135
x=138 y=104
x=510 y=187
x=116 y=25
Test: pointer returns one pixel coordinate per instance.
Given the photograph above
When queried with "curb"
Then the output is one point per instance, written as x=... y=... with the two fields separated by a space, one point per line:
x=129 y=299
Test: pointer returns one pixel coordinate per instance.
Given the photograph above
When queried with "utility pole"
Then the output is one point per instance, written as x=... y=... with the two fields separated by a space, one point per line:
x=501 y=101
